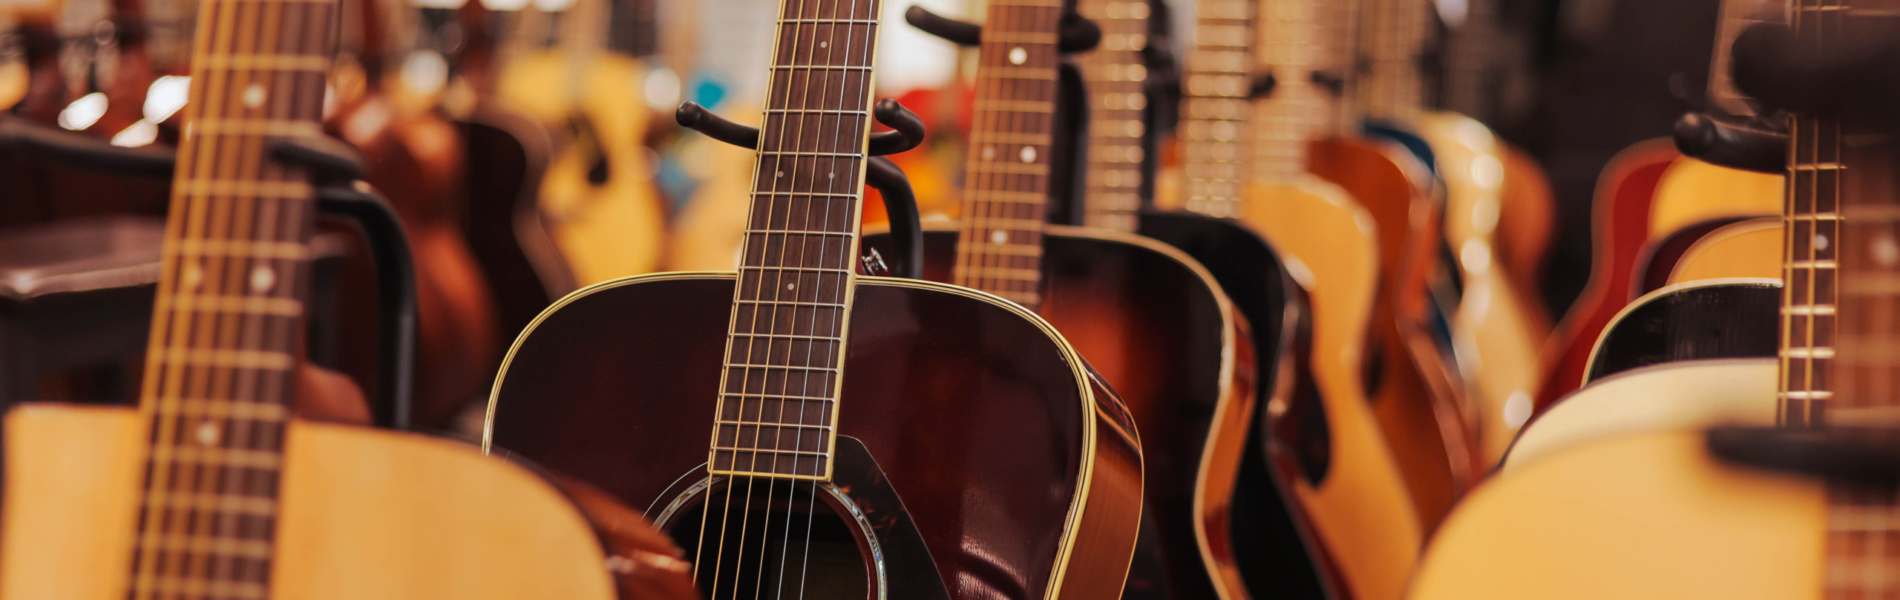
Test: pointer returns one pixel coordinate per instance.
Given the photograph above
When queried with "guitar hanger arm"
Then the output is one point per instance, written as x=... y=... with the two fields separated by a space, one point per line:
x=1075 y=33
x=1757 y=145
x=900 y=206
x=907 y=130
x=1859 y=456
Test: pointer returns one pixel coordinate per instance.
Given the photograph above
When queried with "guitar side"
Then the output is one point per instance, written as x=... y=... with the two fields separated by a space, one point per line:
x=365 y=514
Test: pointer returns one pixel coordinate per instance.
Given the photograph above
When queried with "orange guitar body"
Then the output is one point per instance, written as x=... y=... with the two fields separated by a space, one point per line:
x=1525 y=225
x=1620 y=228
x=416 y=161
x=1418 y=414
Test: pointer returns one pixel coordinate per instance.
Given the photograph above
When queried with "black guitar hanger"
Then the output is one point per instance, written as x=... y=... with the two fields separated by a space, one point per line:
x=1074 y=34
x=900 y=203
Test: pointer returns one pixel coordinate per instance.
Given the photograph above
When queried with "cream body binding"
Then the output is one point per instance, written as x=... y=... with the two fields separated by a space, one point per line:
x=363 y=515
x=1362 y=511
x=1682 y=396
x=1493 y=331
x=1749 y=248
x=1639 y=516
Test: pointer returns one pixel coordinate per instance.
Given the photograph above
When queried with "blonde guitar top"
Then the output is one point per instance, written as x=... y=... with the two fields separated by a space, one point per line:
x=1749 y=248
x=609 y=230
x=710 y=228
x=364 y=515
x=1497 y=337
x=1640 y=516
x=1692 y=191
x=1682 y=396
x=1362 y=511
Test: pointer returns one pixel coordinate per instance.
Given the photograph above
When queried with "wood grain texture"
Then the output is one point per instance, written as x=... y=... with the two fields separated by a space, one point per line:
x=365 y=514
x=978 y=414
x=1640 y=516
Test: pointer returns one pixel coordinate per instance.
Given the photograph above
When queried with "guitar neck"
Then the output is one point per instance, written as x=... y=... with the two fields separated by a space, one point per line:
x=227 y=329
x=1293 y=40
x=1117 y=78
x=1392 y=36
x=785 y=350
x=1006 y=189
x=1215 y=118
x=1736 y=15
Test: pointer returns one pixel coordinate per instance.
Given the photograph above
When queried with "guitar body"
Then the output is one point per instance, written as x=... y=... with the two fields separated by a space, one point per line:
x=1526 y=221
x=1619 y=229
x=597 y=198
x=1684 y=358
x=1348 y=481
x=1416 y=402
x=1731 y=318
x=1022 y=474
x=1159 y=329
x=1693 y=192
x=1665 y=252
x=1689 y=395
x=1272 y=551
x=1744 y=249
x=1496 y=330
x=364 y=514
x=506 y=155
x=1639 y=516
x=415 y=160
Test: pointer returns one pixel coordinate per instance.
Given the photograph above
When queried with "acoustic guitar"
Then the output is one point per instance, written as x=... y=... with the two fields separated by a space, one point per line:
x=1259 y=549
x=799 y=427
x=1153 y=321
x=1700 y=527
x=597 y=198
x=210 y=488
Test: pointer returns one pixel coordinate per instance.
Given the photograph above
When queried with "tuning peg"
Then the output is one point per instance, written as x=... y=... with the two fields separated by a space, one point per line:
x=1077 y=33
x=907 y=131
x=1263 y=84
x=1332 y=82
x=951 y=30
x=1753 y=145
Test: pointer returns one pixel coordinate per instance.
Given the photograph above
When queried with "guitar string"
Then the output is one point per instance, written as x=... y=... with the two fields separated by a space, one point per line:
x=231 y=325
x=164 y=373
x=764 y=243
x=854 y=186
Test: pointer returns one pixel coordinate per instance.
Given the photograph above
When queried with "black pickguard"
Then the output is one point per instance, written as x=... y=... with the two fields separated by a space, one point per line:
x=1730 y=320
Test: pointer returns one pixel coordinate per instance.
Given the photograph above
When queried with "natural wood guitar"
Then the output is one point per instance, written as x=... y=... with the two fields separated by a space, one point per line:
x=210 y=488
x=799 y=427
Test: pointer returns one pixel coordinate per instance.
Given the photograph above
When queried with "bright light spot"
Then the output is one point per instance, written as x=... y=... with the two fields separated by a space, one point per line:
x=165 y=97
x=1029 y=154
x=207 y=433
x=262 y=278
x=1475 y=255
x=908 y=58
x=508 y=5
x=1487 y=171
x=999 y=237
x=1517 y=410
x=554 y=5
x=1820 y=242
x=1473 y=135
x=436 y=3
x=425 y=71
x=1886 y=252
x=1453 y=12
x=141 y=133
x=662 y=89
x=254 y=96
x=82 y=113
x=1018 y=55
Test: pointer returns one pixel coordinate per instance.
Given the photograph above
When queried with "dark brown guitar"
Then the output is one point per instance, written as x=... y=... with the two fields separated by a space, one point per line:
x=869 y=437
x=1148 y=317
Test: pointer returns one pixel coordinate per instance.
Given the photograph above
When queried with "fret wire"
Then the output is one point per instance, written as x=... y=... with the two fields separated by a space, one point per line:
x=762 y=425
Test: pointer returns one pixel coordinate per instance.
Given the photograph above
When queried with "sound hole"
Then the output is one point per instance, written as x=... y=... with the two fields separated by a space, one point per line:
x=769 y=539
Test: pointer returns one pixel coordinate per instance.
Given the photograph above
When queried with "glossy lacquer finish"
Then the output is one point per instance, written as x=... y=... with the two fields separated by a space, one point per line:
x=1019 y=477
x=1273 y=555
x=1166 y=338
x=1736 y=318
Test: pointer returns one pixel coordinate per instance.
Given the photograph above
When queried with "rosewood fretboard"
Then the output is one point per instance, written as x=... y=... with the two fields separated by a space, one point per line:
x=227 y=329
x=999 y=245
x=778 y=409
